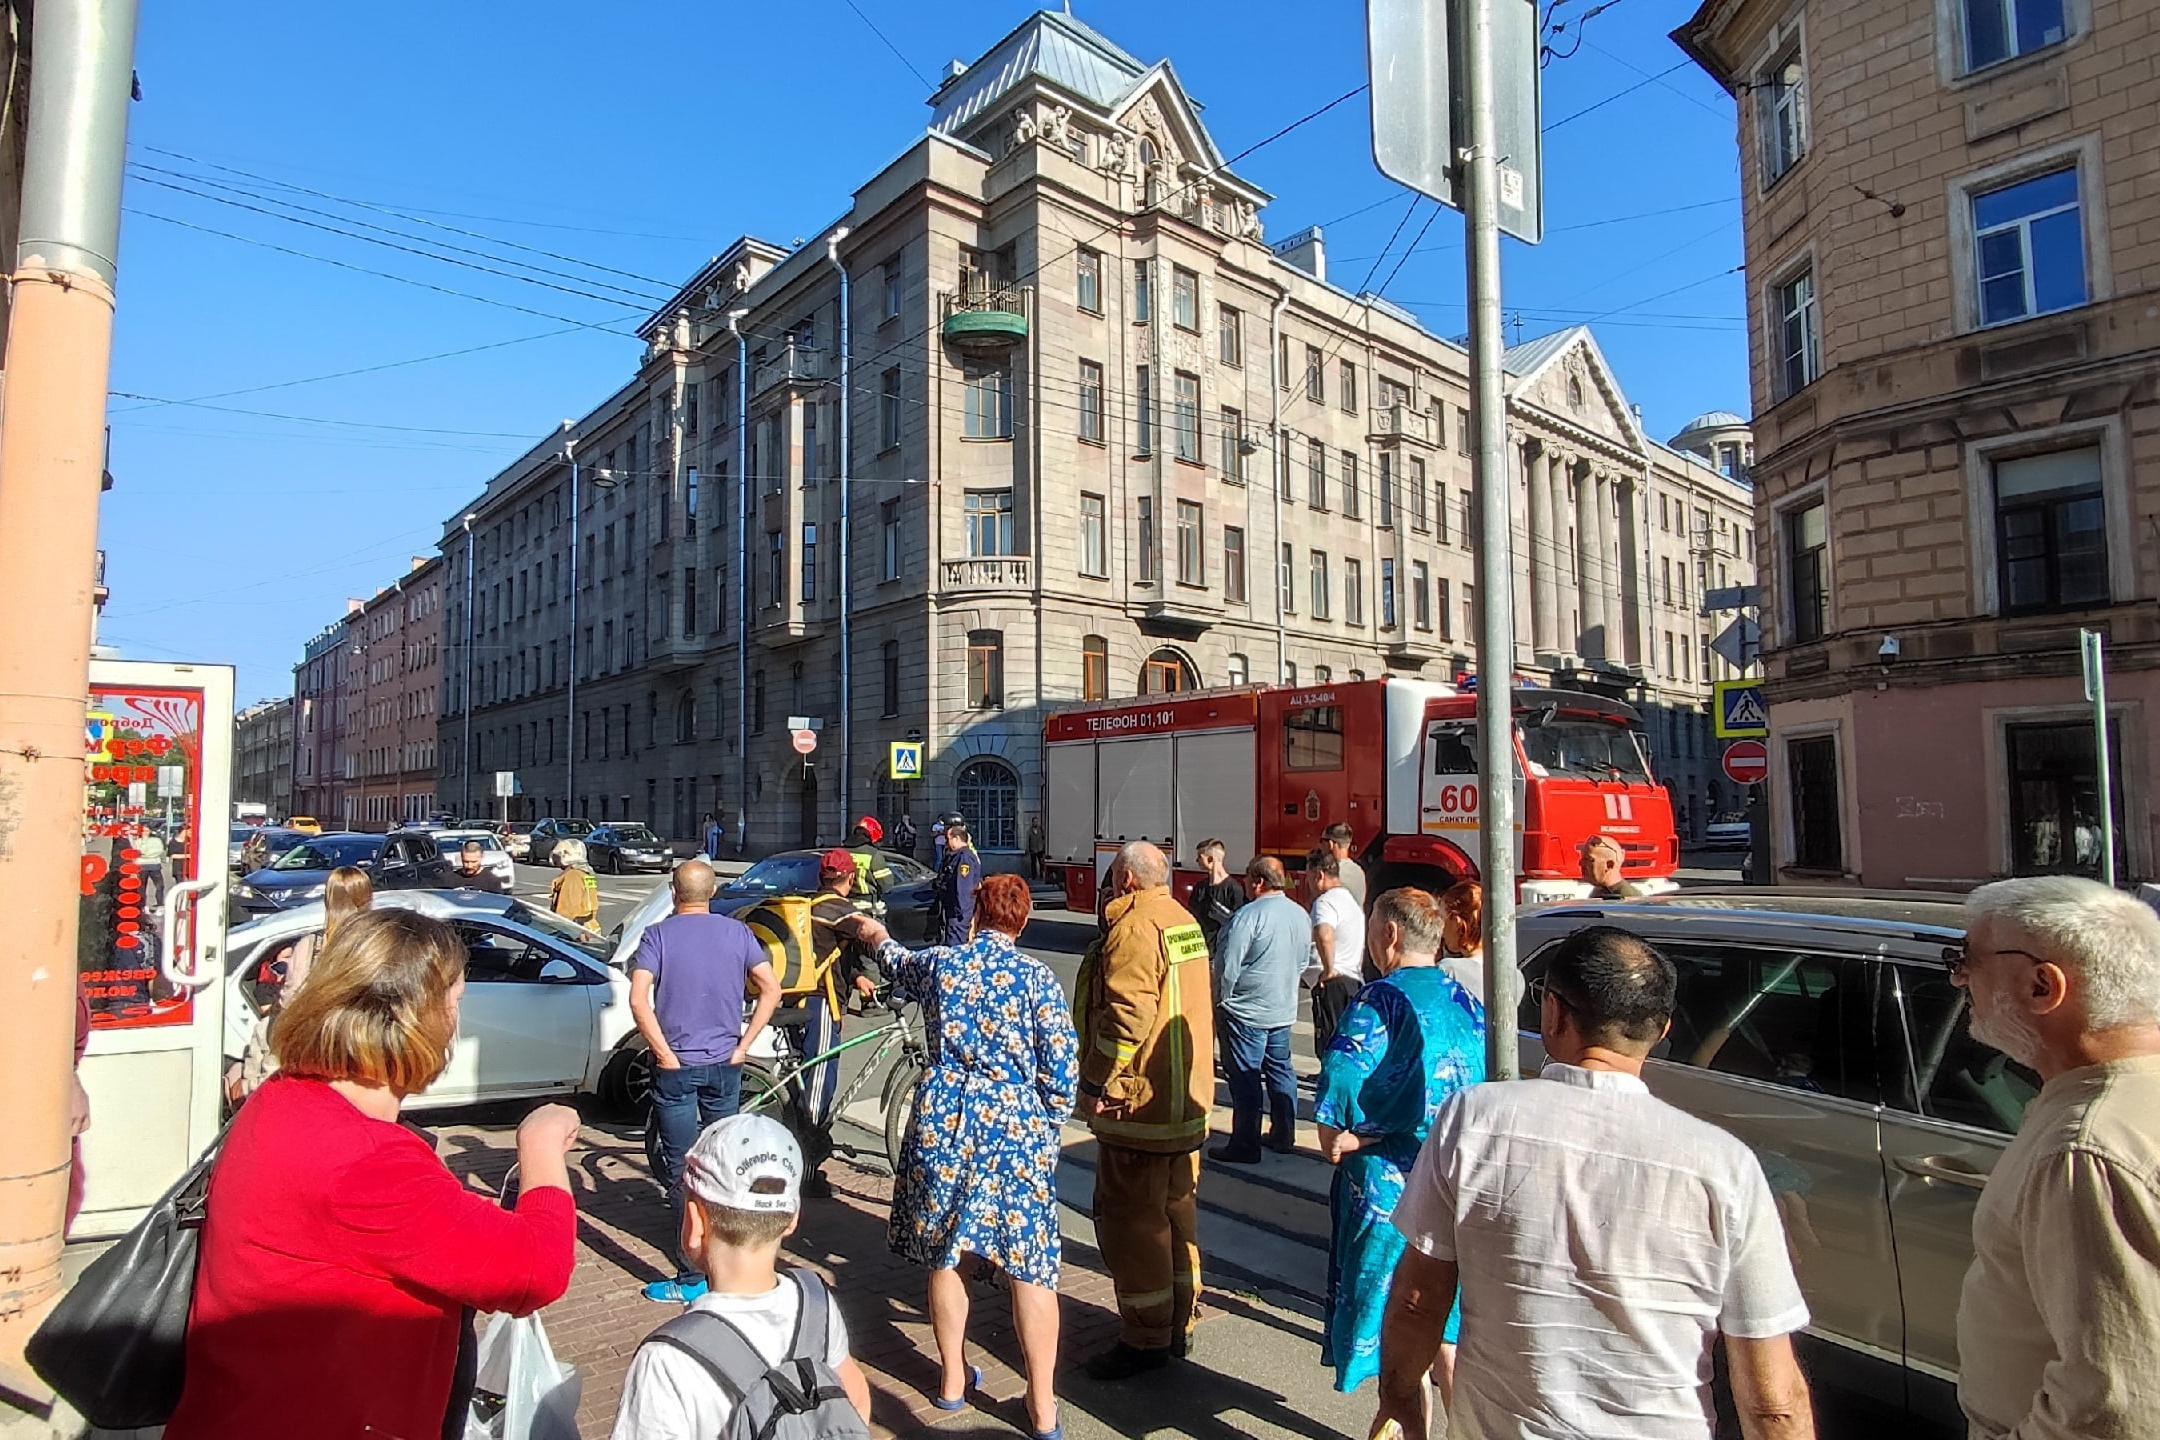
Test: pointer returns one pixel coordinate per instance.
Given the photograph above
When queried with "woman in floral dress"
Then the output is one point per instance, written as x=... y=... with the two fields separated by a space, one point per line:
x=1408 y=1040
x=978 y=1170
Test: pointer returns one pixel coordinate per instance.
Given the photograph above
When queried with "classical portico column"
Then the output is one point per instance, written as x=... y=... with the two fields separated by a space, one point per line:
x=1567 y=627
x=1609 y=561
x=1544 y=556
x=1587 y=562
x=1634 y=604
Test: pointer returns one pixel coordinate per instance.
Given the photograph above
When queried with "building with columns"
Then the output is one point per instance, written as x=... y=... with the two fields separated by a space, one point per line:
x=1043 y=417
x=1952 y=222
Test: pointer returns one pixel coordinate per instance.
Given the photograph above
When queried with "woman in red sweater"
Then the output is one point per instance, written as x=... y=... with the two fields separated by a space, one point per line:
x=339 y=1254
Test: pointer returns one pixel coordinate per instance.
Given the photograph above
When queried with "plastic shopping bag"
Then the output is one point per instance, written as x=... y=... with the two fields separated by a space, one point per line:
x=521 y=1391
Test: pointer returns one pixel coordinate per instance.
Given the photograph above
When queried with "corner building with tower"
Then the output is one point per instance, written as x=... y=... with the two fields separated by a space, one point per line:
x=1090 y=434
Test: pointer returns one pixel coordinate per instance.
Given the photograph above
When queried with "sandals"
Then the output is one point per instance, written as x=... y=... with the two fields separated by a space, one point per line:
x=974 y=1382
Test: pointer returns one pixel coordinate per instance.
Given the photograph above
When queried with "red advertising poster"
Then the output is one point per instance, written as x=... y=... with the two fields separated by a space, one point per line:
x=142 y=835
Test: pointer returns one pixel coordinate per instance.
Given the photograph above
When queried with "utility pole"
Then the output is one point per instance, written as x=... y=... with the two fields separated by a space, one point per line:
x=465 y=687
x=52 y=426
x=1495 y=558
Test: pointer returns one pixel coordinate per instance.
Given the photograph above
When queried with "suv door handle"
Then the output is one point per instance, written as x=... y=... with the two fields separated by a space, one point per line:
x=1941 y=1167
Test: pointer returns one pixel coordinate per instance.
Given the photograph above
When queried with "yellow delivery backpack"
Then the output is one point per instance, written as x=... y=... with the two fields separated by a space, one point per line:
x=783 y=926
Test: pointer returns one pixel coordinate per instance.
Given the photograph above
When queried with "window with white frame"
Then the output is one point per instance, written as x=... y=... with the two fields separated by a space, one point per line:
x=1094 y=536
x=1185 y=416
x=1798 y=351
x=1807 y=562
x=889 y=526
x=1191 y=559
x=2029 y=244
x=1420 y=595
x=1783 y=91
x=1353 y=590
x=988 y=410
x=1999 y=30
x=1091 y=402
x=1286 y=578
x=1229 y=336
x=1319 y=585
x=989 y=522
x=1233 y=558
x=1087 y=283
x=1233 y=446
x=1184 y=298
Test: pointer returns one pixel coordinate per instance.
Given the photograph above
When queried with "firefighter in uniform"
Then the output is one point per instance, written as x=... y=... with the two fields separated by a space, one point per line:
x=955 y=886
x=873 y=877
x=1147 y=1079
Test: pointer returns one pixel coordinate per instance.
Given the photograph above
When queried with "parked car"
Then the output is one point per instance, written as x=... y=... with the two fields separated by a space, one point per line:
x=1729 y=831
x=540 y=845
x=401 y=860
x=518 y=837
x=1821 y=1027
x=266 y=844
x=908 y=903
x=613 y=849
x=305 y=824
x=542 y=1013
x=493 y=856
x=241 y=834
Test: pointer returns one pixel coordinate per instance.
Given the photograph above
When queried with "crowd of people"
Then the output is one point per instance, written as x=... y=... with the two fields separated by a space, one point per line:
x=1557 y=1255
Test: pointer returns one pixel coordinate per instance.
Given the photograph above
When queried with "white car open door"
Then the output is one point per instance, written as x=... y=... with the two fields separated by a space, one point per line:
x=152 y=940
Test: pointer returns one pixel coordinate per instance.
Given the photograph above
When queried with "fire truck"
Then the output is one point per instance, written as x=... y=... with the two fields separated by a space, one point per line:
x=1265 y=769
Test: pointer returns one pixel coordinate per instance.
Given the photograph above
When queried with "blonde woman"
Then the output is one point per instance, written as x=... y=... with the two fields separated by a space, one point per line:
x=346 y=893
x=338 y=1252
x=575 y=895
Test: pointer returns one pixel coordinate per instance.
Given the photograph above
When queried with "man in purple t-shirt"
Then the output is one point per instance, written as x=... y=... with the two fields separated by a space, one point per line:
x=686 y=995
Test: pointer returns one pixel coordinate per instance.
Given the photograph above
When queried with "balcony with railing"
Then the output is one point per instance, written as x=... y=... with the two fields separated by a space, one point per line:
x=1400 y=422
x=794 y=365
x=989 y=572
x=985 y=316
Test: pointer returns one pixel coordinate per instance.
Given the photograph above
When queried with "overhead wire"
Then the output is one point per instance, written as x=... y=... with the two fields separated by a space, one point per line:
x=924 y=79
x=360 y=370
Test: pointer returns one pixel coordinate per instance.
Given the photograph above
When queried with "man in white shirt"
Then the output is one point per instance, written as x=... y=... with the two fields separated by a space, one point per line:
x=1601 y=1239
x=1338 y=944
x=1340 y=838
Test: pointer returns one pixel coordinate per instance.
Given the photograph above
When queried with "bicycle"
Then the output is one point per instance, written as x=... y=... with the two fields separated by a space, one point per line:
x=778 y=1083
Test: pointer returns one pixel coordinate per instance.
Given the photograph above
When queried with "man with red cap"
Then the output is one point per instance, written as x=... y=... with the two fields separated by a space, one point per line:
x=832 y=915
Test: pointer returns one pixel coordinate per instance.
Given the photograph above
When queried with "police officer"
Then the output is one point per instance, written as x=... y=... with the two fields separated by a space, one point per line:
x=873 y=877
x=957 y=877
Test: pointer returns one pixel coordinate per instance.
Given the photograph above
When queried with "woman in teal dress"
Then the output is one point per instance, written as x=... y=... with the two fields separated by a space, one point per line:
x=1408 y=1040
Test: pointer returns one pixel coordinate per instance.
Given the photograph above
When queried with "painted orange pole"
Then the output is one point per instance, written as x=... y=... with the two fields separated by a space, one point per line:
x=52 y=419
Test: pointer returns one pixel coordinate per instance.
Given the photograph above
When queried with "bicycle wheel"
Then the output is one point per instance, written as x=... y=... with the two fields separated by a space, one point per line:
x=899 y=1103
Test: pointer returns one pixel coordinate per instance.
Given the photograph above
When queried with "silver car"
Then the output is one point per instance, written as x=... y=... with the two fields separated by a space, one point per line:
x=1820 y=1026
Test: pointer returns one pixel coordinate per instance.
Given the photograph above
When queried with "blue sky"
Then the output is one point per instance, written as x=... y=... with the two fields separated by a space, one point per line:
x=643 y=139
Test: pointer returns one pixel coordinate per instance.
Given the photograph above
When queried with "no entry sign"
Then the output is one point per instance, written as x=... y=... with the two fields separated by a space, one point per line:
x=1747 y=762
x=806 y=741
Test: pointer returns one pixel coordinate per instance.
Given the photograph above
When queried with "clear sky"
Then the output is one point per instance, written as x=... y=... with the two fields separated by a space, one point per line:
x=643 y=138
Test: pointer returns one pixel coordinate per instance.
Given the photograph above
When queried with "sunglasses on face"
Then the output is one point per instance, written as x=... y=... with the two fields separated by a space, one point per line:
x=1960 y=959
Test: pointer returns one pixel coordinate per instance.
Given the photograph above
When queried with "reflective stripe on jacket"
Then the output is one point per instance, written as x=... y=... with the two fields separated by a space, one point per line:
x=1147 y=1026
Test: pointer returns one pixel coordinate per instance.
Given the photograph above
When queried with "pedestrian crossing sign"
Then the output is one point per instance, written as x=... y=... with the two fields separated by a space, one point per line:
x=1740 y=713
x=906 y=760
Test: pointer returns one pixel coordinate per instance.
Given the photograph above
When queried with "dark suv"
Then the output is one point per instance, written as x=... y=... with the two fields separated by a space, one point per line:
x=401 y=860
x=540 y=849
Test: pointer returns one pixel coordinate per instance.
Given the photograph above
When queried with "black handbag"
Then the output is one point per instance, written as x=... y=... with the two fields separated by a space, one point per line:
x=115 y=1347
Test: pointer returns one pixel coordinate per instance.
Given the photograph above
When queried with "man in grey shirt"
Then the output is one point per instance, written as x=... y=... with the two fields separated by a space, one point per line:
x=1257 y=963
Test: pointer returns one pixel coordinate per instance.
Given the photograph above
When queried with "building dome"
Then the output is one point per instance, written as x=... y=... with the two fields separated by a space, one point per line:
x=1713 y=420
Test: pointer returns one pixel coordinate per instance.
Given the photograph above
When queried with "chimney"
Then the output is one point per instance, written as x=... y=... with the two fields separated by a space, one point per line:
x=1306 y=251
x=354 y=607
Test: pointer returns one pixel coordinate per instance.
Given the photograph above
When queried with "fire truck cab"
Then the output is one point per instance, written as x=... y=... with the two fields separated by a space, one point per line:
x=1267 y=769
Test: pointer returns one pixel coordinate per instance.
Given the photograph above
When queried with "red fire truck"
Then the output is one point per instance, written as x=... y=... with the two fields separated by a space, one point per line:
x=1266 y=769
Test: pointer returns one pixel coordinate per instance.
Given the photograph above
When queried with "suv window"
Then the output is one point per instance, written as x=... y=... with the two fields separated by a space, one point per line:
x=1789 y=1017
x=1955 y=1077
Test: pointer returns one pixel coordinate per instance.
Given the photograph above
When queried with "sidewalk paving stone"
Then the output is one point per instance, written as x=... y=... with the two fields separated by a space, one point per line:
x=625 y=1238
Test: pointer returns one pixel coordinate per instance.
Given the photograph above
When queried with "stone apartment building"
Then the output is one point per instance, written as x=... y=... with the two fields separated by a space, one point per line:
x=263 y=752
x=318 y=768
x=366 y=696
x=1080 y=432
x=1953 y=244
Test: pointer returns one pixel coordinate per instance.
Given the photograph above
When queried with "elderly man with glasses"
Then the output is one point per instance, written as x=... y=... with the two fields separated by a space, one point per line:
x=2059 y=1320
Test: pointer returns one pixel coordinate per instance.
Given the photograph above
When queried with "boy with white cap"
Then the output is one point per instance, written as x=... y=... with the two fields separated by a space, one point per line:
x=743 y=1182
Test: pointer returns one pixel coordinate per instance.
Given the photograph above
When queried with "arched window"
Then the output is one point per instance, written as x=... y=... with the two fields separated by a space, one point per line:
x=1167 y=672
x=1094 y=668
x=685 y=718
x=1150 y=180
x=989 y=800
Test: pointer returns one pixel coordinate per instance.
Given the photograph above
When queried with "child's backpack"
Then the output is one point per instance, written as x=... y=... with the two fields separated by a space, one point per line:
x=798 y=1399
x=782 y=925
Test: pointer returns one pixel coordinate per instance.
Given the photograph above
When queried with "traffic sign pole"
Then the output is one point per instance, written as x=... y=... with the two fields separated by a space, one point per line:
x=1495 y=559
x=2095 y=662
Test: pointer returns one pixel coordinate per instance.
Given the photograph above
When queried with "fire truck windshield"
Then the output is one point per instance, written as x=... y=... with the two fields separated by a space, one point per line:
x=1592 y=748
